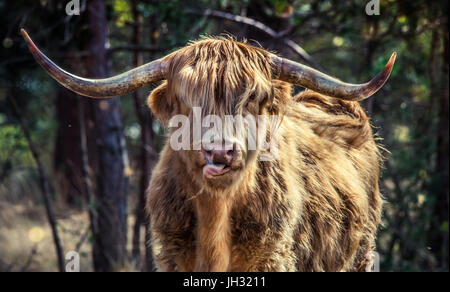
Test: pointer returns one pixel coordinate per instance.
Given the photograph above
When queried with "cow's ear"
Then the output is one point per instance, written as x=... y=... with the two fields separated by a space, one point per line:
x=281 y=92
x=162 y=105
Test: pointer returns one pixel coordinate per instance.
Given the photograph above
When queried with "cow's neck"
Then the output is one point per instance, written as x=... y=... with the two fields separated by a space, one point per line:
x=213 y=233
x=213 y=209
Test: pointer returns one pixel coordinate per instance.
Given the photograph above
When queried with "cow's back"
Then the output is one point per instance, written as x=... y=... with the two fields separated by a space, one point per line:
x=339 y=163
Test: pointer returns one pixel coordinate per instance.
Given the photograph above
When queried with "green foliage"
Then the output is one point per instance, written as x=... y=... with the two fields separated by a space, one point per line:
x=122 y=12
x=14 y=147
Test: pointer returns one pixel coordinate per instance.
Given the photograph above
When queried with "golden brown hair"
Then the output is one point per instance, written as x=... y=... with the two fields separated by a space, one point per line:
x=214 y=73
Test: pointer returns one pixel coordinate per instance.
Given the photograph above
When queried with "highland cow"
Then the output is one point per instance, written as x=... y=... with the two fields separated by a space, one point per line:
x=314 y=207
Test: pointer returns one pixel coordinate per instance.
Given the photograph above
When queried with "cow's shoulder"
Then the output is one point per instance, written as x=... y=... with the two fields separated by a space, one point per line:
x=341 y=121
x=167 y=200
x=331 y=105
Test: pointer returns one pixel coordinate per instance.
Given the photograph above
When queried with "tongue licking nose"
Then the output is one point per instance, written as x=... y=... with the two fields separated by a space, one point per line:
x=218 y=160
x=214 y=169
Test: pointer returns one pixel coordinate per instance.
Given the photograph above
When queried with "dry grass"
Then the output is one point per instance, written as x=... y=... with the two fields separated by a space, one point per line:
x=23 y=227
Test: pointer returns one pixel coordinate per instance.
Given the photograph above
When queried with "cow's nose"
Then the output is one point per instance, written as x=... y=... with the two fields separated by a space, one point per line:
x=219 y=154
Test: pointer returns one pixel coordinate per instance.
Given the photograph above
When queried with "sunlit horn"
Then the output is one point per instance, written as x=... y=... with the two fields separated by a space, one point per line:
x=101 y=88
x=310 y=78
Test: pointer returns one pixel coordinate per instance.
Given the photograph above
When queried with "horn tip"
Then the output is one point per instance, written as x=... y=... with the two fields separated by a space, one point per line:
x=31 y=46
x=390 y=64
x=26 y=36
x=24 y=33
x=392 y=59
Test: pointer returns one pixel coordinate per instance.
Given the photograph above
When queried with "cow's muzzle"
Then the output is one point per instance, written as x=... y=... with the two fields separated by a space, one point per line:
x=218 y=158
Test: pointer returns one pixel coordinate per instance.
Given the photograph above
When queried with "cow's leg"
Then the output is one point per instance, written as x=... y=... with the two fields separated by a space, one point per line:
x=267 y=258
x=172 y=223
x=164 y=259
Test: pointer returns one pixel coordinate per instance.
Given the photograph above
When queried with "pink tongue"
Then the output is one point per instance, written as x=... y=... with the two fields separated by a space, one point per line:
x=213 y=169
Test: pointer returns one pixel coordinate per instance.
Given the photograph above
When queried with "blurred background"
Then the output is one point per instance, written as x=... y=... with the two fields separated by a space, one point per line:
x=73 y=170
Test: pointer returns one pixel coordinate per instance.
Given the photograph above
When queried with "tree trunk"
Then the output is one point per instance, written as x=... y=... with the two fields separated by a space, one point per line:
x=109 y=249
x=439 y=238
x=145 y=158
x=66 y=158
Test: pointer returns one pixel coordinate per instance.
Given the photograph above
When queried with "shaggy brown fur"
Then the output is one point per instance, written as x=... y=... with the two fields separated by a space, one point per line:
x=316 y=207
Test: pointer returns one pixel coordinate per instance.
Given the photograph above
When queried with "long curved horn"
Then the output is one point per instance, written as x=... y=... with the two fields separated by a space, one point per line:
x=310 y=78
x=100 y=88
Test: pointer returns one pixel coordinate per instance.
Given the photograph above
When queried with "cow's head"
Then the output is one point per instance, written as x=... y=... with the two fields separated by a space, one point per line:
x=218 y=77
